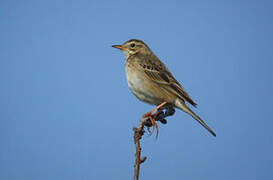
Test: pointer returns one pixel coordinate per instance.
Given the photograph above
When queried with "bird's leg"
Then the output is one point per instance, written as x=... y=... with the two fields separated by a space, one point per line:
x=150 y=115
x=153 y=110
x=160 y=110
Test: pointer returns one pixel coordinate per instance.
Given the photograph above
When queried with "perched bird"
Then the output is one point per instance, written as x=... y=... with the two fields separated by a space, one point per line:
x=151 y=81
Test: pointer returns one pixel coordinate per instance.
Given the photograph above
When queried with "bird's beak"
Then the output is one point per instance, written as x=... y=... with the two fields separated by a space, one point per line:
x=119 y=47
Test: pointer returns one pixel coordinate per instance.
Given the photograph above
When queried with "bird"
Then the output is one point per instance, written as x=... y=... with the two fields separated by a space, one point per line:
x=150 y=81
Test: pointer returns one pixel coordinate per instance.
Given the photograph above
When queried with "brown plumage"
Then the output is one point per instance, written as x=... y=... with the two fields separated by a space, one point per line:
x=151 y=81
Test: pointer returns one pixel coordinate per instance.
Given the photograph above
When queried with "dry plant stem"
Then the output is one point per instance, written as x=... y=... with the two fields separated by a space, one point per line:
x=139 y=131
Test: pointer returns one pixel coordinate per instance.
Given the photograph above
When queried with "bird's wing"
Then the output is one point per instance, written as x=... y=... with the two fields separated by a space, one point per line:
x=158 y=73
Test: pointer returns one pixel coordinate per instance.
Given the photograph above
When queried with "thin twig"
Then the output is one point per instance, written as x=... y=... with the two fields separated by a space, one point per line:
x=139 y=131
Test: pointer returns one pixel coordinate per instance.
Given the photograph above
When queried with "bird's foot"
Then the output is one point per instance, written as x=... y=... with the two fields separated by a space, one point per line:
x=161 y=113
x=150 y=123
x=152 y=118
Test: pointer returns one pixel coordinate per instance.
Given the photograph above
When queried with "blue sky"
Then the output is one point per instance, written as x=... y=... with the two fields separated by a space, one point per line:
x=66 y=111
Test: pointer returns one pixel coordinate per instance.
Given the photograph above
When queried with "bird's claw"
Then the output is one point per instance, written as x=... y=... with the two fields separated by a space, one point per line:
x=149 y=118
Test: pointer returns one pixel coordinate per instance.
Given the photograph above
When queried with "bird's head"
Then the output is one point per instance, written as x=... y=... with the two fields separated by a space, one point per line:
x=133 y=46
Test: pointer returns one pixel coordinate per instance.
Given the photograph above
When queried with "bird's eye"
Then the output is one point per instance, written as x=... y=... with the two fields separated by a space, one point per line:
x=133 y=45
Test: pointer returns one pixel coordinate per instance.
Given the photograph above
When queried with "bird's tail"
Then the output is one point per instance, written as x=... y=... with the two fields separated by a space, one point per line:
x=181 y=105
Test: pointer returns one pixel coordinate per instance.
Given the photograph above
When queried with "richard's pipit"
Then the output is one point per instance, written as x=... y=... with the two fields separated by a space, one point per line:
x=151 y=81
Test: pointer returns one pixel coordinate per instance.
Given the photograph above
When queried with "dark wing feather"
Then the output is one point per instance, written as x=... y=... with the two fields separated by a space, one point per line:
x=159 y=73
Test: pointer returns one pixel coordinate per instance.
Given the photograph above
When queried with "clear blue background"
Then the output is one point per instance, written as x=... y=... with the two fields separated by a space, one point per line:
x=66 y=111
